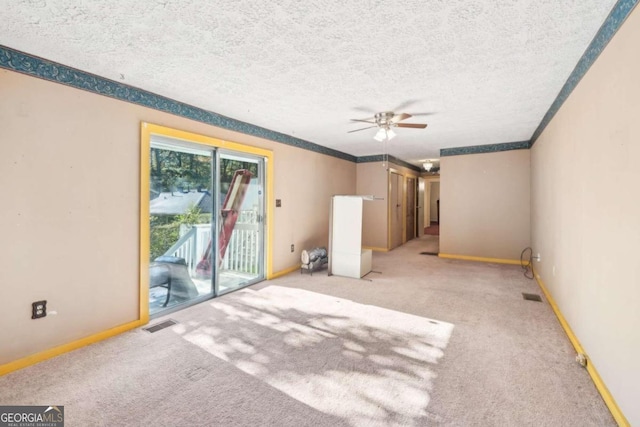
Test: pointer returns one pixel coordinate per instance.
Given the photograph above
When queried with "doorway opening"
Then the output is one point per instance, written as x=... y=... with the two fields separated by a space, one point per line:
x=432 y=214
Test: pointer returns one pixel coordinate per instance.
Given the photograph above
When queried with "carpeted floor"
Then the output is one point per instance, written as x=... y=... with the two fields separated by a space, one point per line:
x=426 y=341
x=430 y=244
x=433 y=229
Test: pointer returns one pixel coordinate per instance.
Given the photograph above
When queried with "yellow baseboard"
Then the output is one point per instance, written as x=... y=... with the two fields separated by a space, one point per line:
x=283 y=272
x=595 y=377
x=65 y=348
x=74 y=345
x=480 y=259
x=375 y=249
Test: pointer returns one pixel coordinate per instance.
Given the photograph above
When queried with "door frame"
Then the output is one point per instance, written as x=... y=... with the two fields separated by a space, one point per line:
x=410 y=193
x=420 y=194
x=146 y=132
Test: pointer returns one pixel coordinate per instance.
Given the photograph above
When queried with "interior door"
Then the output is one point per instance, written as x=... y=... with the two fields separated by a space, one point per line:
x=395 y=209
x=420 y=207
x=411 y=209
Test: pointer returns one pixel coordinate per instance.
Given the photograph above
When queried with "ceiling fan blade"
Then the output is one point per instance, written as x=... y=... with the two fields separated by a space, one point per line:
x=405 y=104
x=364 y=109
x=424 y=114
x=364 y=120
x=357 y=130
x=411 y=125
x=399 y=117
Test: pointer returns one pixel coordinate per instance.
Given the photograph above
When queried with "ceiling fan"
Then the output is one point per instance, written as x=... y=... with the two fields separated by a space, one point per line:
x=385 y=121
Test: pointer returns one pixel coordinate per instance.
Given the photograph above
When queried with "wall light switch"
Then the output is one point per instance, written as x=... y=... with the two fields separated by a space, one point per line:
x=278 y=203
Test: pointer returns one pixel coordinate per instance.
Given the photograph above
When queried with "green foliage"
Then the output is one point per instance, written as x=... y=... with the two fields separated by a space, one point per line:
x=169 y=178
x=165 y=229
x=162 y=238
x=229 y=167
x=173 y=170
x=190 y=217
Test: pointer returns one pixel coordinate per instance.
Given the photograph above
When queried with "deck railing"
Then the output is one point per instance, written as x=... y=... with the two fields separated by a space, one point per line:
x=243 y=252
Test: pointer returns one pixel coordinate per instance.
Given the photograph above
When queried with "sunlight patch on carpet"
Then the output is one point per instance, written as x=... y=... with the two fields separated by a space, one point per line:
x=366 y=364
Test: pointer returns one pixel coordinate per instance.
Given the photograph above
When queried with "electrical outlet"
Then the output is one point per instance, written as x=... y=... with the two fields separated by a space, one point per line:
x=38 y=309
x=537 y=257
x=292 y=247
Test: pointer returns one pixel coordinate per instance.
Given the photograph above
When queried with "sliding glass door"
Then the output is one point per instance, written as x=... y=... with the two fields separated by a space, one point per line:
x=194 y=253
x=241 y=217
x=180 y=219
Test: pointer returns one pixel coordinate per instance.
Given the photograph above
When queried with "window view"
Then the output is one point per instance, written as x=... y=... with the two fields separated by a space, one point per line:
x=189 y=261
x=180 y=208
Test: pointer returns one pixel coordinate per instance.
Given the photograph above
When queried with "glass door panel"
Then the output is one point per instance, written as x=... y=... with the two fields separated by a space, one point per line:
x=241 y=217
x=180 y=215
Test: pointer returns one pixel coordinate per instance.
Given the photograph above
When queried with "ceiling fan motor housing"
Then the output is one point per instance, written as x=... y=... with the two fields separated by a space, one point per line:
x=384 y=119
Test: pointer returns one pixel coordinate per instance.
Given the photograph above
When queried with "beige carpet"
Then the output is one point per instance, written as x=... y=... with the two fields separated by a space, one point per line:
x=365 y=364
x=426 y=342
x=429 y=244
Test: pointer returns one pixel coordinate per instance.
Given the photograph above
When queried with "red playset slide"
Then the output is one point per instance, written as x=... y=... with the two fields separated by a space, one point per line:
x=230 y=210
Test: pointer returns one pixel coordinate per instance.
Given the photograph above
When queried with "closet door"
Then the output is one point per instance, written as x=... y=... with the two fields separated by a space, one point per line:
x=395 y=209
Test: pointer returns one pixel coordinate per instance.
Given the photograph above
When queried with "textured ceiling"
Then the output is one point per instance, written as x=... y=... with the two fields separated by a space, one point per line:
x=487 y=70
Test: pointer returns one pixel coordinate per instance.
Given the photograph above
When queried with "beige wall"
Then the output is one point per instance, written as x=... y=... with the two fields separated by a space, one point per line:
x=70 y=179
x=484 y=204
x=372 y=180
x=586 y=214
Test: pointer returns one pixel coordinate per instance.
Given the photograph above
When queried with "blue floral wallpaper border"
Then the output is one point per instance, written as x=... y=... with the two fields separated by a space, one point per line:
x=392 y=159
x=27 y=64
x=479 y=149
x=371 y=159
x=614 y=21
x=48 y=70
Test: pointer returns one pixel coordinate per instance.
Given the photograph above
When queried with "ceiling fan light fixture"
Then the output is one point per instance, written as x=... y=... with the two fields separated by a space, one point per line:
x=381 y=135
x=384 y=134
